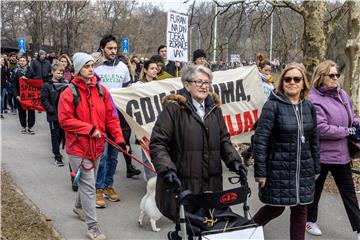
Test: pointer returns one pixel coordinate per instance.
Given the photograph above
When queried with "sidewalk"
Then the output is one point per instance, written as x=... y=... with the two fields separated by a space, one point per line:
x=29 y=161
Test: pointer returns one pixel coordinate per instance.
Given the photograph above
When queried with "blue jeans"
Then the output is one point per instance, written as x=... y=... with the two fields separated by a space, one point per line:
x=148 y=174
x=107 y=167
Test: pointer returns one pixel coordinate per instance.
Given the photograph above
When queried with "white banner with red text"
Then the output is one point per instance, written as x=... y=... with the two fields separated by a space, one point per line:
x=240 y=91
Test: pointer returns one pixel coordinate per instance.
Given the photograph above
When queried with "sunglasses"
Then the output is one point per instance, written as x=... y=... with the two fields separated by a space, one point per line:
x=333 y=75
x=296 y=79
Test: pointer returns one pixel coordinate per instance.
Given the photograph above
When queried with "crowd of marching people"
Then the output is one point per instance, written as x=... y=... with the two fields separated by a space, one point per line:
x=303 y=133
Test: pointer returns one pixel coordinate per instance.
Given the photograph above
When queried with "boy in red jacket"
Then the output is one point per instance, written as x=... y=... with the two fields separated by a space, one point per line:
x=83 y=125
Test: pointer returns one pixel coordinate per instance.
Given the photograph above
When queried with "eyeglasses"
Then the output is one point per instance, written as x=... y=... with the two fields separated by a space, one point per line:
x=333 y=75
x=296 y=79
x=200 y=83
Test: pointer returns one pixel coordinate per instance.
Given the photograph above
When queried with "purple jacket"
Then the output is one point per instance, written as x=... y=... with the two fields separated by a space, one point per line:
x=332 y=107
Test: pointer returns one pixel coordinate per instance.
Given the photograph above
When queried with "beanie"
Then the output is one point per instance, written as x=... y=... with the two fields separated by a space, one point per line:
x=42 y=52
x=80 y=59
x=198 y=54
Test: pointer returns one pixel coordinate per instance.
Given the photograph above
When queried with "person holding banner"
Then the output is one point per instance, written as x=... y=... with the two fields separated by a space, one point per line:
x=172 y=67
x=161 y=74
x=84 y=126
x=189 y=140
x=148 y=74
x=26 y=116
x=286 y=152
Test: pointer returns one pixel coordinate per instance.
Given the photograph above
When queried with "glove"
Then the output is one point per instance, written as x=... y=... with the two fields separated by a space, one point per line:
x=238 y=168
x=124 y=147
x=354 y=133
x=171 y=178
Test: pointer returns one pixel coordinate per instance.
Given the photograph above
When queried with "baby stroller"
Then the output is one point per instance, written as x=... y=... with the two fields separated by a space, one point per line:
x=208 y=216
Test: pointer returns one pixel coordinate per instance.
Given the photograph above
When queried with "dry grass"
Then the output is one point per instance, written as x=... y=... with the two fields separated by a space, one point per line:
x=20 y=218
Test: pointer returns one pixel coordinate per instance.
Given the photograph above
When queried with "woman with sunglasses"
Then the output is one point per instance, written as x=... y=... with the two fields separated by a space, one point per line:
x=286 y=151
x=335 y=123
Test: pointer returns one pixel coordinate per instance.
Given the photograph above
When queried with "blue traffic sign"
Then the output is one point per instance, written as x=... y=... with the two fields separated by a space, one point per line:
x=125 y=45
x=22 y=45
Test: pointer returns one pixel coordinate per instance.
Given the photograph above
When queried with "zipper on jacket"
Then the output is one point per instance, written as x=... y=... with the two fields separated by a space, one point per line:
x=207 y=114
x=298 y=153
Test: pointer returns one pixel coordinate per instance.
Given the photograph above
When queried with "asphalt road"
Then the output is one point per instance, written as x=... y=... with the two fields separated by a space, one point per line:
x=29 y=161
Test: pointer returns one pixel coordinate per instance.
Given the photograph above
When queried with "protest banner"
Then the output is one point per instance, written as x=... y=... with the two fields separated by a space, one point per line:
x=240 y=91
x=177 y=37
x=30 y=94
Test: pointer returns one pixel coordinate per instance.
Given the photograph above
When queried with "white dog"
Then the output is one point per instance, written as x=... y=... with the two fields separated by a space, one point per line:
x=148 y=205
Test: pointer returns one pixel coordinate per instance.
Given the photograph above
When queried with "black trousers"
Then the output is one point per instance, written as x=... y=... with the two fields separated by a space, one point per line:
x=30 y=121
x=343 y=178
x=56 y=136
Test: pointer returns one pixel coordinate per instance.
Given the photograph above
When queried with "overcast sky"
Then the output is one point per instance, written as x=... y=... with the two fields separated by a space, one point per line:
x=167 y=5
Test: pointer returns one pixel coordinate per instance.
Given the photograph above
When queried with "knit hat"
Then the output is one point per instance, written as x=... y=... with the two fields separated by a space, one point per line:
x=80 y=59
x=198 y=54
x=42 y=52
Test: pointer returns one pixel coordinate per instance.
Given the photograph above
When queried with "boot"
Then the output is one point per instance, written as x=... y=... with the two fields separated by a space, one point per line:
x=132 y=171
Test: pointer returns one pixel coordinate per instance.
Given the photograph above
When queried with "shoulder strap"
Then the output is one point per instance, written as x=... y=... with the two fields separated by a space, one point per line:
x=100 y=89
x=76 y=95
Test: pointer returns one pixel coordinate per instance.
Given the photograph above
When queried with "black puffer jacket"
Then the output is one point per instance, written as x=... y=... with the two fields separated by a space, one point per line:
x=286 y=148
x=50 y=92
x=193 y=148
x=39 y=69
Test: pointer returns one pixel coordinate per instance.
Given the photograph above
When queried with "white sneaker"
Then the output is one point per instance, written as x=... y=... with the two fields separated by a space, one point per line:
x=313 y=229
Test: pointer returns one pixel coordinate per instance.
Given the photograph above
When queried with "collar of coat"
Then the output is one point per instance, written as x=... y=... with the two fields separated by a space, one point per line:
x=183 y=98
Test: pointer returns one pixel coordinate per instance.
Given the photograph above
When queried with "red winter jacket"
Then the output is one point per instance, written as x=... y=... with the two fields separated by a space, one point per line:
x=93 y=111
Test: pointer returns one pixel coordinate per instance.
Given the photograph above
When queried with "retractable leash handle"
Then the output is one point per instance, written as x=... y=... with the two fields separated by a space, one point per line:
x=112 y=143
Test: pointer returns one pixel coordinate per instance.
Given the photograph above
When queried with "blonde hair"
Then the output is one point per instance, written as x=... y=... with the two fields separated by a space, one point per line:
x=300 y=67
x=57 y=66
x=320 y=71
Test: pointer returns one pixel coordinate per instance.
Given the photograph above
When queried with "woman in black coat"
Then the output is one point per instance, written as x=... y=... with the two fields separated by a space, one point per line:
x=286 y=149
x=189 y=140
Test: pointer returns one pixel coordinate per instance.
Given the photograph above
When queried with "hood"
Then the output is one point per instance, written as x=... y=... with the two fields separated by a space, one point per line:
x=183 y=99
x=326 y=91
x=281 y=97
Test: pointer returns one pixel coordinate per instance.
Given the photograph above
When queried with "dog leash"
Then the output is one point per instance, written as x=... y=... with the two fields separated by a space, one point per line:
x=112 y=143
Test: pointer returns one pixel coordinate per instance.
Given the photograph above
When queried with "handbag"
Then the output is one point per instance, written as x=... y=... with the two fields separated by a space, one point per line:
x=354 y=147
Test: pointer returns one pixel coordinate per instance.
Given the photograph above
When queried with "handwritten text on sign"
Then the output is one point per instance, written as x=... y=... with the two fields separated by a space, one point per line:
x=177 y=37
x=30 y=94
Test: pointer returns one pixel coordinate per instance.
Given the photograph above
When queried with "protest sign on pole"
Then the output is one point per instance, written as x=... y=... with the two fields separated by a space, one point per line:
x=30 y=90
x=177 y=37
x=240 y=91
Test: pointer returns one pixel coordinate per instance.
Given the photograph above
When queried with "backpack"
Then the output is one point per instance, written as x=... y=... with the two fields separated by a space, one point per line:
x=76 y=94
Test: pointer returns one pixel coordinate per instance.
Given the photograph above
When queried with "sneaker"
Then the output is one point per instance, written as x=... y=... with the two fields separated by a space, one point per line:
x=23 y=131
x=80 y=213
x=313 y=229
x=94 y=233
x=30 y=131
x=58 y=161
x=110 y=194
x=132 y=171
x=100 y=201
x=1 y=116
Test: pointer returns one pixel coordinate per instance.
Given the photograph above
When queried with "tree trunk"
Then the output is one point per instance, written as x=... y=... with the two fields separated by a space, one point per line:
x=352 y=51
x=314 y=36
